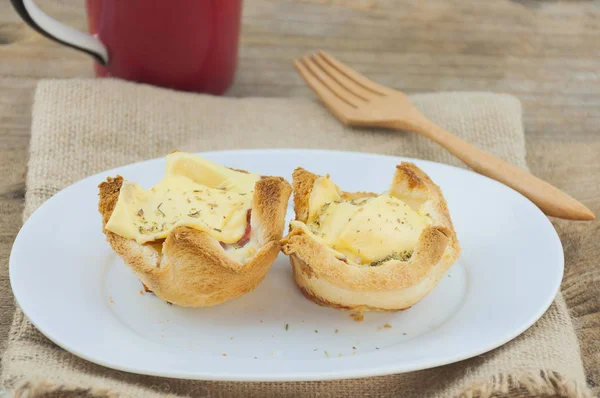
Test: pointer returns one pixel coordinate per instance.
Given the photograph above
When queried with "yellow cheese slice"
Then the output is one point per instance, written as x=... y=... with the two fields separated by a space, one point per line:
x=366 y=230
x=383 y=226
x=195 y=193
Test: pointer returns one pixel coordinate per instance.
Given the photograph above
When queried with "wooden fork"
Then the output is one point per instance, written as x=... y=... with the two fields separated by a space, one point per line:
x=358 y=101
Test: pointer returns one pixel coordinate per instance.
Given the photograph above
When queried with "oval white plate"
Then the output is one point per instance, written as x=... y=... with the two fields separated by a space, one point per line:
x=78 y=293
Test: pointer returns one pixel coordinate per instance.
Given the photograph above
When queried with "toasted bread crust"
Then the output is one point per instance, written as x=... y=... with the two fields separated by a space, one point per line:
x=191 y=268
x=302 y=184
x=394 y=285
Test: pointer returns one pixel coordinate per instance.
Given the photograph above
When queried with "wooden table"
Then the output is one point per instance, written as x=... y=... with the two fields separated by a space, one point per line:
x=547 y=53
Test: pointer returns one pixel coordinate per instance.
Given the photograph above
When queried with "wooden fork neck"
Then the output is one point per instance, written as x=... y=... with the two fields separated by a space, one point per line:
x=417 y=123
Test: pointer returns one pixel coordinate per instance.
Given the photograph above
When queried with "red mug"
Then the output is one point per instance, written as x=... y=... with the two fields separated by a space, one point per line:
x=187 y=45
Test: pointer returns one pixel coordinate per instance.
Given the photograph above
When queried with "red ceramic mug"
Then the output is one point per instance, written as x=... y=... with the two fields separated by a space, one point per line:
x=187 y=45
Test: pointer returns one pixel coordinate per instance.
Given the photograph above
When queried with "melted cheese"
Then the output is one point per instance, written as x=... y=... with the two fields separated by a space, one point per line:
x=195 y=193
x=365 y=230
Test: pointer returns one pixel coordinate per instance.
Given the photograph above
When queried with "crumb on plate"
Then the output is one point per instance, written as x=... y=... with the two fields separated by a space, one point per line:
x=358 y=316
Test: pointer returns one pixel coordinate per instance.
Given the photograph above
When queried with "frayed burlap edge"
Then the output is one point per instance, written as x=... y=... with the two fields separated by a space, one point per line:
x=39 y=388
x=543 y=383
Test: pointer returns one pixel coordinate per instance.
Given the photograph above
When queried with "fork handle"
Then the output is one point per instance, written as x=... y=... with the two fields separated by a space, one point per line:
x=551 y=200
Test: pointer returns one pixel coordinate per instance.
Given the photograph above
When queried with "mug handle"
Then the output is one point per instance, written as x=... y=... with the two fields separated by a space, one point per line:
x=60 y=33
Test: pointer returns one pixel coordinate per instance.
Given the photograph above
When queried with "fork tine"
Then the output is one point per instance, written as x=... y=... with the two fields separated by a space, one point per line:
x=337 y=106
x=328 y=82
x=343 y=80
x=353 y=75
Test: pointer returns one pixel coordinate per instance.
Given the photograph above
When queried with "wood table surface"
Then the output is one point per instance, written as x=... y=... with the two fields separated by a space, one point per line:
x=546 y=53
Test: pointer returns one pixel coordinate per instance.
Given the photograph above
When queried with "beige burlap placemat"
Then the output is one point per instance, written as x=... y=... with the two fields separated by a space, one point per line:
x=81 y=127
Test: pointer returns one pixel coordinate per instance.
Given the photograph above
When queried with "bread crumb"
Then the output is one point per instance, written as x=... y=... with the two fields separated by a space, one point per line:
x=336 y=331
x=379 y=327
x=111 y=300
x=387 y=326
x=141 y=292
x=224 y=355
x=358 y=316
x=231 y=338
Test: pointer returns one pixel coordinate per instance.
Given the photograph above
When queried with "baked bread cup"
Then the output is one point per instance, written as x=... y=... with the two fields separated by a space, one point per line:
x=186 y=262
x=371 y=252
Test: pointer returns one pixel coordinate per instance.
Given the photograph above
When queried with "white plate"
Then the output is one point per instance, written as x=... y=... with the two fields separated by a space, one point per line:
x=78 y=293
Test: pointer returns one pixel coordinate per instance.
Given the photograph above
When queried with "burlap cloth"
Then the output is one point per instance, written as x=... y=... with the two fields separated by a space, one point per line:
x=81 y=127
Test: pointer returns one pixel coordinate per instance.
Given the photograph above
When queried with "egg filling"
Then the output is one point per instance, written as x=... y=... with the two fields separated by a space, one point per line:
x=195 y=193
x=368 y=230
